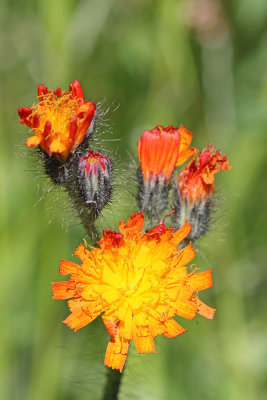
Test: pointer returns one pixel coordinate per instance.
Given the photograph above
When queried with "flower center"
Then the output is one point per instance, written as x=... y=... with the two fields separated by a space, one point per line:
x=57 y=110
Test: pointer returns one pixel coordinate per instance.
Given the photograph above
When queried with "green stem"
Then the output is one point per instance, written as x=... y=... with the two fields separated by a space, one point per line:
x=113 y=383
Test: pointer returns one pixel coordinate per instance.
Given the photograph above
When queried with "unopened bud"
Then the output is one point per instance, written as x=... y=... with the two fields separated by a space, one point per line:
x=195 y=187
x=95 y=180
x=158 y=152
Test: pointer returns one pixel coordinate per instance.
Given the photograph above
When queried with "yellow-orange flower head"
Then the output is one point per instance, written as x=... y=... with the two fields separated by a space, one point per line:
x=138 y=281
x=59 y=120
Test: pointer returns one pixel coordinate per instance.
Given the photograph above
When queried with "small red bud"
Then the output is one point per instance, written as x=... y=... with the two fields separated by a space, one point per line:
x=26 y=112
x=95 y=178
x=20 y=112
x=42 y=89
x=59 y=92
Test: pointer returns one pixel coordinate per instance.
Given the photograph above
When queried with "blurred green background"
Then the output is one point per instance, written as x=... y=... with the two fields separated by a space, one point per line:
x=199 y=62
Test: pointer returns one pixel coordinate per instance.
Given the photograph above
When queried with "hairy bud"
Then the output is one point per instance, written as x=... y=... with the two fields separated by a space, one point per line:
x=95 y=180
x=195 y=187
x=158 y=152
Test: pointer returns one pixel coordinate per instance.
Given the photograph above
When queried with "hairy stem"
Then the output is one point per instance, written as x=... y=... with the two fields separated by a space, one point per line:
x=113 y=382
x=87 y=214
x=88 y=220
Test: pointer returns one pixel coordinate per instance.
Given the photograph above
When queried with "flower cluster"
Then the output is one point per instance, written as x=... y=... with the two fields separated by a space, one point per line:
x=138 y=281
x=63 y=123
x=160 y=151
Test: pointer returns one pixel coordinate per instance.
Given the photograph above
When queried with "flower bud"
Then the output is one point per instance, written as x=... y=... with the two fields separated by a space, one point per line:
x=95 y=180
x=195 y=187
x=158 y=152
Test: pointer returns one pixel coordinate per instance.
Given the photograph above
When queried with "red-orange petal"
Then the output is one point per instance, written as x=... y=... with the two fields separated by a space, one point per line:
x=144 y=344
x=81 y=252
x=67 y=267
x=111 y=239
x=201 y=280
x=133 y=226
x=173 y=329
x=80 y=314
x=186 y=255
x=63 y=290
x=179 y=235
x=116 y=353
x=158 y=151
x=76 y=89
x=204 y=310
x=33 y=141
x=184 y=151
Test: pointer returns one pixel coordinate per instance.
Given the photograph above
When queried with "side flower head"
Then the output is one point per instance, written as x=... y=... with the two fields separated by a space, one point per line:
x=138 y=281
x=195 y=187
x=95 y=178
x=59 y=120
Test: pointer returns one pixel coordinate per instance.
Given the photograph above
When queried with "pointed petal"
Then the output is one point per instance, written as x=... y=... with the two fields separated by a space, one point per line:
x=81 y=252
x=63 y=290
x=201 y=280
x=82 y=313
x=116 y=353
x=133 y=226
x=204 y=310
x=179 y=235
x=173 y=329
x=67 y=267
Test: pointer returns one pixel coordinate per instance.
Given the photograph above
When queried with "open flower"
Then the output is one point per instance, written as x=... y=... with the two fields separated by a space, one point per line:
x=138 y=281
x=196 y=180
x=59 y=120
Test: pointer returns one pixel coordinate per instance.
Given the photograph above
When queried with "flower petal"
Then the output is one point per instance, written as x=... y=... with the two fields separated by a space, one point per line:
x=204 y=310
x=116 y=353
x=173 y=329
x=201 y=280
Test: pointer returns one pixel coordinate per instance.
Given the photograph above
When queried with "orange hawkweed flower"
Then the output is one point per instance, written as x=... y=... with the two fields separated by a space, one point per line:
x=59 y=120
x=138 y=281
x=196 y=180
